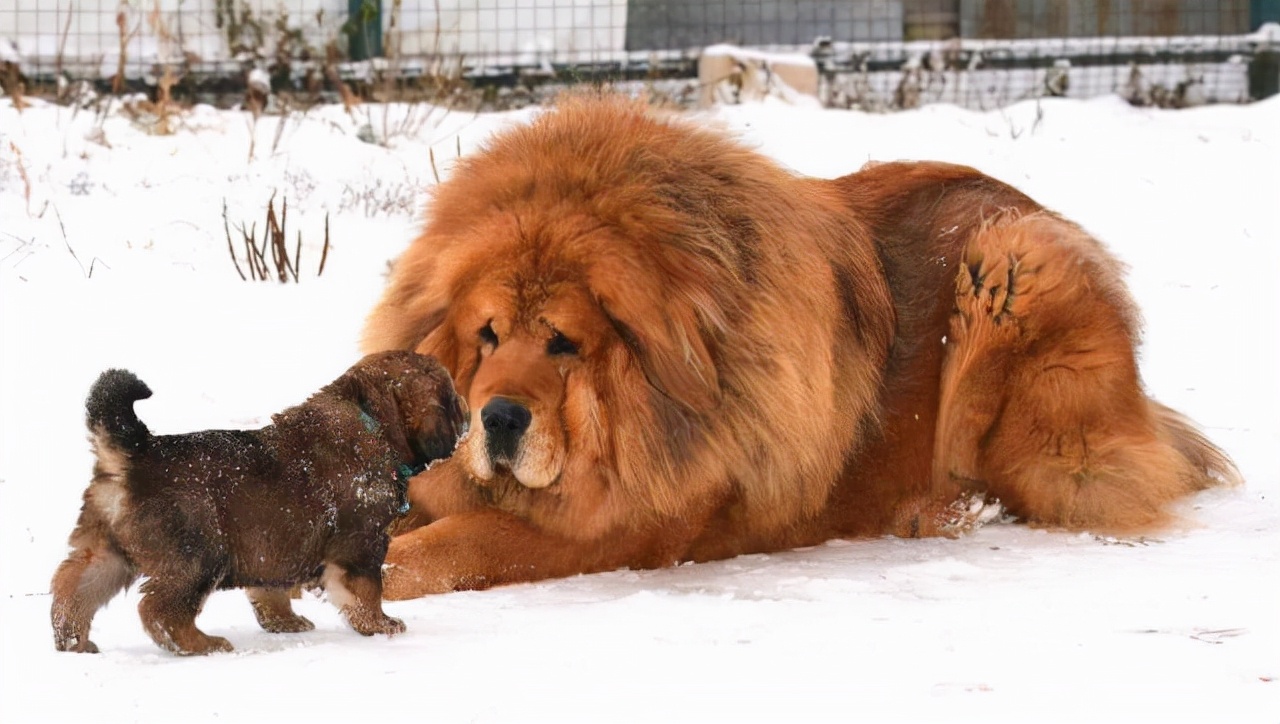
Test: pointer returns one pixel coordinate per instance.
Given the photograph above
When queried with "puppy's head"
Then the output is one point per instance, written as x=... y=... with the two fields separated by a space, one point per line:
x=411 y=398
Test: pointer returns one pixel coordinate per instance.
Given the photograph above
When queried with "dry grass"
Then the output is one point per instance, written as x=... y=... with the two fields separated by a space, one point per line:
x=126 y=36
x=22 y=173
x=13 y=85
x=273 y=246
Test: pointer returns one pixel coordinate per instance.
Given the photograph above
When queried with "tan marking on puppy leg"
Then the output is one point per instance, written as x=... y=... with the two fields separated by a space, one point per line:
x=111 y=461
x=107 y=493
x=111 y=499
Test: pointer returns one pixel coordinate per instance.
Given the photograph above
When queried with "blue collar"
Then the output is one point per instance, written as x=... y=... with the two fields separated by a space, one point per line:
x=403 y=470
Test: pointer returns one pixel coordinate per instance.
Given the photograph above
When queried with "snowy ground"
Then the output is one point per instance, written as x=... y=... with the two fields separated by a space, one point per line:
x=113 y=253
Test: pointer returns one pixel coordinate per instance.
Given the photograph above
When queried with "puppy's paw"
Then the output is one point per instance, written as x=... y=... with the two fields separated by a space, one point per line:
x=274 y=611
x=383 y=624
x=289 y=624
x=184 y=639
x=75 y=644
x=209 y=645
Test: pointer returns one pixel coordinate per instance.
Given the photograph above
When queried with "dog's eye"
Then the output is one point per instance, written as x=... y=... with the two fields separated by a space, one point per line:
x=487 y=335
x=560 y=344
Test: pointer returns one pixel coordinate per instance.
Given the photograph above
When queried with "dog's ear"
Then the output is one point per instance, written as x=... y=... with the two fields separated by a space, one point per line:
x=409 y=311
x=673 y=348
x=440 y=342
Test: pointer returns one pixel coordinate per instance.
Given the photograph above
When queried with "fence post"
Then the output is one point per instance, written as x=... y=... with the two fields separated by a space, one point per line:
x=1264 y=67
x=364 y=28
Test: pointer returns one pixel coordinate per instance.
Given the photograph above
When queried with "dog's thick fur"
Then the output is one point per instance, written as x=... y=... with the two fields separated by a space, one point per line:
x=675 y=350
x=307 y=498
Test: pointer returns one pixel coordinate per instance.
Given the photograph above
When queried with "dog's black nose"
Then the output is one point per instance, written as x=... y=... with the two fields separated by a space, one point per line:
x=505 y=421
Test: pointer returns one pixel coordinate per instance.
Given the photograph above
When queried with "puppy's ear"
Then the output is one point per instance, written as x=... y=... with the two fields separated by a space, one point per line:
x=371 y=390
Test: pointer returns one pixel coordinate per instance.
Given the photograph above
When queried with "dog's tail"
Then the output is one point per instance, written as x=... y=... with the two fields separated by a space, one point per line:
x=109 y=411
x=1209 y=465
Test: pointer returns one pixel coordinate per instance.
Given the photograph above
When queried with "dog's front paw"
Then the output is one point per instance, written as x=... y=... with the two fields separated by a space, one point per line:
x=413 y=569
x=403 y=582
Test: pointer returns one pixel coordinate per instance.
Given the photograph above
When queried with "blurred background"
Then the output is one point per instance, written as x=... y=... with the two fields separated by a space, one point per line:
x=872 y=55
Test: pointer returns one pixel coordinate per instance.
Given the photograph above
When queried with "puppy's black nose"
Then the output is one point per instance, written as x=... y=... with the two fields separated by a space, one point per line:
x=505 y=422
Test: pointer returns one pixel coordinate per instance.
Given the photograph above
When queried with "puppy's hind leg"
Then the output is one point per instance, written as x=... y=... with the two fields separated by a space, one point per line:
x=169 y=608
x=85 y=582
x=275 y=611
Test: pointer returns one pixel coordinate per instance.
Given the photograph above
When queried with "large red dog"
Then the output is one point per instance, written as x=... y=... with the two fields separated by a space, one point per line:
x=675 y=350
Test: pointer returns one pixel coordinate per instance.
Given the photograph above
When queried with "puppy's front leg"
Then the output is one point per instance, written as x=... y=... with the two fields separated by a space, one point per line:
x=357 y=591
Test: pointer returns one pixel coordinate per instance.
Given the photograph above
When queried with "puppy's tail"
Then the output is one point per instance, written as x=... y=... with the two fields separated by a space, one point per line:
x=109 y=411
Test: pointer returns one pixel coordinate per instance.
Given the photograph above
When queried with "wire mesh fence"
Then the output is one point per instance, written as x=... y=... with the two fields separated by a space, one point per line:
x=875 y=54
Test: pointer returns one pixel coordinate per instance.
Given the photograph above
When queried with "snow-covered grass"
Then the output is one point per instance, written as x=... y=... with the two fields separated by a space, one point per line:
x=113 y=253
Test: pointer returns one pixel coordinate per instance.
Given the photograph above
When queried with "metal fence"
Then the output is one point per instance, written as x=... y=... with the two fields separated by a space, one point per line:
x=872 y=54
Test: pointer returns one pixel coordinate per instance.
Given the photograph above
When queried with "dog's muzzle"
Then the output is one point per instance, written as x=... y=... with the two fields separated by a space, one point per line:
x=505 y=422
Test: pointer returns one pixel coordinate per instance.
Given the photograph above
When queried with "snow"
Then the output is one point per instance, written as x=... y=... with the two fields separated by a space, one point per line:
x=113 y=253
x=802 y=60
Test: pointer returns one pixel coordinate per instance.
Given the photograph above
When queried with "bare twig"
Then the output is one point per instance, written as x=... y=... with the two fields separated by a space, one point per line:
x=297 y=257
x=164 y=102
x=253 y=133
x=324 y=253
x=275 y=141
x=349 y=99
x=62 y=42
x=259 y=255
x=256 y=252
x=22 y=173
x=92 y=262
x=226 y=226
x=126 y=36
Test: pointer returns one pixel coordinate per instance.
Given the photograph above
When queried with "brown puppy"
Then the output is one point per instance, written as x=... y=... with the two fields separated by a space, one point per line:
x=306 y=498
x=676 y=350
